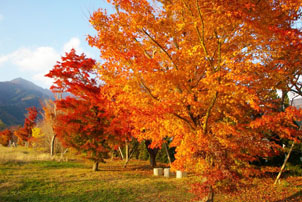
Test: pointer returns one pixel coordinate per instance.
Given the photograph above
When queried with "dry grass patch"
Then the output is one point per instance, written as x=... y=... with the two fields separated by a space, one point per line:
x=23 y=154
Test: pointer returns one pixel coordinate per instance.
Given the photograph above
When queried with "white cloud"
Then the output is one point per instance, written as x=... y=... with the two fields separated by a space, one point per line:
x=41 y=79
x=39 y=61
x=36 y=60
x=3 y=59
x=73 y=43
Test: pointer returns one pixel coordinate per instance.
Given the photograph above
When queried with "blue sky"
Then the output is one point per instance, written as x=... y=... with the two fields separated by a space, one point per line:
x=35 y=33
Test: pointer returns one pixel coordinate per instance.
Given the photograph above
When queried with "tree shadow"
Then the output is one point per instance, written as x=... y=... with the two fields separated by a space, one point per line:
x=295 y=197
x=141 y=167
x=109 y=170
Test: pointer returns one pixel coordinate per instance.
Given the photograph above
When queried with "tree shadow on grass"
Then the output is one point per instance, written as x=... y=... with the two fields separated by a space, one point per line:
x=14 y=163
x=121 y=167
x=42 y=164
x=101 y=195
x=143 y=168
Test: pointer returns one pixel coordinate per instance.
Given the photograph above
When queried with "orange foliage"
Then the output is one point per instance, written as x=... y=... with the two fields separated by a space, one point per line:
x=5 y=137
x=200 y=72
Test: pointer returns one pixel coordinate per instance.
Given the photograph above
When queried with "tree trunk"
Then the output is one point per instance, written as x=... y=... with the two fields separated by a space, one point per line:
x=112 y=155
x=152 y=153
x=288 y=155
x=52 y=145
x=121 y=152
x=131 y=153
x=152 y=159
x=167 y=152
x=133 y=150
x=126 y=151
x=284 y=163
x=63 y=153
x=95 y=166
x=210 y=197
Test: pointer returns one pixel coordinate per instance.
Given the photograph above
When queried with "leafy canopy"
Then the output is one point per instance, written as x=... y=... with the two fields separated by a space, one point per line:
x=203 y=73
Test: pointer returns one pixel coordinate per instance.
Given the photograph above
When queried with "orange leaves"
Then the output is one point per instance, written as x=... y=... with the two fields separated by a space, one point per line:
x=5 y=137
x=200 y=72
x=283 y=123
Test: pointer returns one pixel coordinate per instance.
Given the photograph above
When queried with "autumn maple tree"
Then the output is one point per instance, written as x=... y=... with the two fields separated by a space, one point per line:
x=203 y=73
x=84 y=120
x=5 y=137
x=24 y=133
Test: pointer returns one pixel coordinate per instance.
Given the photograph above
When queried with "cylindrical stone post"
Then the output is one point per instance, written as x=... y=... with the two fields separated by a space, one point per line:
x=158 y=171
x=180 y=174
x=167 y=172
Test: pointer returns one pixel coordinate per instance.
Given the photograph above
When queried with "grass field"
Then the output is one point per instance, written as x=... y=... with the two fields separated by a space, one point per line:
x=26 y=176
x=36 y=180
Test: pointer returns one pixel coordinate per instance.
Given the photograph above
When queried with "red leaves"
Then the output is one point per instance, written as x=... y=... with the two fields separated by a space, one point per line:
x=5 y=137
x=74 y=74
x=82 y=126
x=87 y=120
x=24 y=133
x=31 y=117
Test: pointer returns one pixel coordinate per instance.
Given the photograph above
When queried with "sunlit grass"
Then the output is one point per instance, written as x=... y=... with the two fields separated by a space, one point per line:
x=74 y=181
x=30 y=179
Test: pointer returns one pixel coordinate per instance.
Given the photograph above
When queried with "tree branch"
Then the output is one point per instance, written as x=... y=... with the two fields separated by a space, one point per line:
x=148 y=90
x=219 y=52
x=284 y=163
x=205 y=125
x=186 y=5
x=185 y=120
x=201 y=36
x=152 y=39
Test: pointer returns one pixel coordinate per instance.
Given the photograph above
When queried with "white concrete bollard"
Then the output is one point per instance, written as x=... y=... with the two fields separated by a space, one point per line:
x=180 y=174
x=167 y=172
x=158 y=171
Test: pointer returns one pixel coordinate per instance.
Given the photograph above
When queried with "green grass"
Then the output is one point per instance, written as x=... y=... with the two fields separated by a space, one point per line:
x=29 y=179
x=74 y=181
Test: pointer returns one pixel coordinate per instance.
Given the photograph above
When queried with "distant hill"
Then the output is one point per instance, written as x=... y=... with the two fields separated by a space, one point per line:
x=16 y=96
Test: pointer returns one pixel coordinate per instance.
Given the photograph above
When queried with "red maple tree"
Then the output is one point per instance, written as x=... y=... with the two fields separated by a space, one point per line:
x=5 y=137
x=84 y=119
x=24 y=133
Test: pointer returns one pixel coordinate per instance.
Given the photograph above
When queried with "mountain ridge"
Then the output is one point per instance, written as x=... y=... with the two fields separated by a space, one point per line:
x=17 y=95
x=30 y=85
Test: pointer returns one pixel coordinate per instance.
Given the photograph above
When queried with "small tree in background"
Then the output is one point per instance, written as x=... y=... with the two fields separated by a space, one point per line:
x=24 y=134
x=5 y=137
x=49 y=119
x=42 y=136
